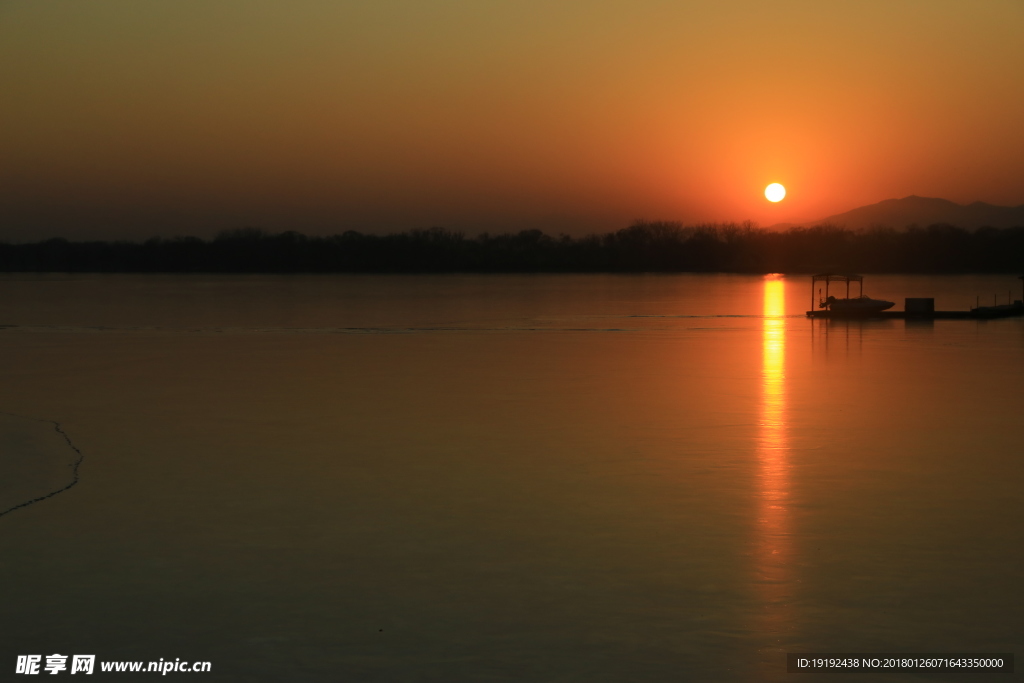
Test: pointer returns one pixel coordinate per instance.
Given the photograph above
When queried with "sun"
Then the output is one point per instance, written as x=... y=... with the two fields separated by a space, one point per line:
x=775 y=192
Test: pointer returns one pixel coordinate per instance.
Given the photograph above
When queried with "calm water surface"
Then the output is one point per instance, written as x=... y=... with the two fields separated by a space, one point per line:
x=505 y=478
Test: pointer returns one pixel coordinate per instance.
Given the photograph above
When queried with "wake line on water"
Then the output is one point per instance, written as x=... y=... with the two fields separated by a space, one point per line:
x=74 y=465
x=378 y=330
x=755 y=316
x=316 y=331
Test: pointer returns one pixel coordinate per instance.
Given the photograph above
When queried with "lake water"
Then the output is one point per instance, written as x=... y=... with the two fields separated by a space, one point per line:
x=505 y=478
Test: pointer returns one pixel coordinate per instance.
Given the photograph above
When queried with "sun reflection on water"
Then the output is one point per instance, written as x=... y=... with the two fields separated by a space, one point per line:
x=773 y=555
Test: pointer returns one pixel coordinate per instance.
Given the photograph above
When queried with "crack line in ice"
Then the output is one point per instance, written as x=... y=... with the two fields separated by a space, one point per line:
x=74 y=466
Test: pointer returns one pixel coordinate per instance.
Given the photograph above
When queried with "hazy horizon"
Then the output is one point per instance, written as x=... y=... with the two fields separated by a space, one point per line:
x=899 y=214
x=128 y=121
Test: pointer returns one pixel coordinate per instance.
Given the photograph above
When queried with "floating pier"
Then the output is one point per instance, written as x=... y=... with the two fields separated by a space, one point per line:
x=1015 y=310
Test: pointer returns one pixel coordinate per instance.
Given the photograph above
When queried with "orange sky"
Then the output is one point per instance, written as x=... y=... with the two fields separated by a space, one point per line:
x=129 y=119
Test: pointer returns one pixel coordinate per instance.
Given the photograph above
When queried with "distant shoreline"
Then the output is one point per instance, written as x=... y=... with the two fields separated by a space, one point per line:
x=656 y=247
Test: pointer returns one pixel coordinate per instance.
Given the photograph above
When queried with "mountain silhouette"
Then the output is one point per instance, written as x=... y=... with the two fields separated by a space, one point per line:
x=924 y=211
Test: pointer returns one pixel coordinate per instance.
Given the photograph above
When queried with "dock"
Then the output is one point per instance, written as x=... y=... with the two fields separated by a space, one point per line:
x=913 y=309
x=972 y=314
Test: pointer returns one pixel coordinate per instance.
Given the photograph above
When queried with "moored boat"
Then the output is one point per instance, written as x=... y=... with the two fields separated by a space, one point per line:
x=861 y=305
x=848 y=306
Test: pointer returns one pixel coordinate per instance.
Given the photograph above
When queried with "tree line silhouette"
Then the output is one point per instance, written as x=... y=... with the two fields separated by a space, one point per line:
x=642 y=247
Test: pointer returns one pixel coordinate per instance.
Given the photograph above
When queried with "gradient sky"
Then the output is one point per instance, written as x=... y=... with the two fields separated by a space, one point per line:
x=132 y=118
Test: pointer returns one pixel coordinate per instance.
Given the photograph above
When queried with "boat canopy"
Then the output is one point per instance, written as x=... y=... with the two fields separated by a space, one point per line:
x=836 y=277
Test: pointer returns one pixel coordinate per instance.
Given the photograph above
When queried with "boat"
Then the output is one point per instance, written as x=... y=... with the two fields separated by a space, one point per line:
x=848 y=306
x=860 y=305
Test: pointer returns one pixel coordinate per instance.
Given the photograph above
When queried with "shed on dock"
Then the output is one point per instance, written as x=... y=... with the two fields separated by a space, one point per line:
x=919 y=306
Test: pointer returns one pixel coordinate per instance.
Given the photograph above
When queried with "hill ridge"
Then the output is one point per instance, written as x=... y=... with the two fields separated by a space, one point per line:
x=924 y=211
